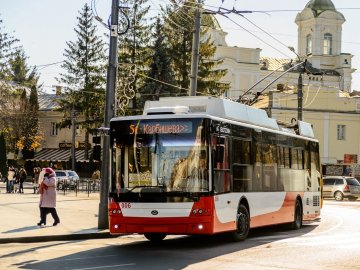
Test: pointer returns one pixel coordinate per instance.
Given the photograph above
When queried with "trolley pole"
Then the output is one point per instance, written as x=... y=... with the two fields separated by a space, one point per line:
x=195 y=52
x=103 y=222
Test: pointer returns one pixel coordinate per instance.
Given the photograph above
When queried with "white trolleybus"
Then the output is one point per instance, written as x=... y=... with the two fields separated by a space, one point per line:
x=203 y=165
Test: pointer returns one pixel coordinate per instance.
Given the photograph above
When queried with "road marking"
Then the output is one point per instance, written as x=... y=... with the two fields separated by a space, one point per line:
x=107 y=266
x=83 y=258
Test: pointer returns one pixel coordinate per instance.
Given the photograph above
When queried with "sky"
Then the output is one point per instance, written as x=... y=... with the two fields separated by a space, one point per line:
x=44 y=26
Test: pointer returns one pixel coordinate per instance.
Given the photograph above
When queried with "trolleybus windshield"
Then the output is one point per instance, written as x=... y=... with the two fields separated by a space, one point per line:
x=167 y=155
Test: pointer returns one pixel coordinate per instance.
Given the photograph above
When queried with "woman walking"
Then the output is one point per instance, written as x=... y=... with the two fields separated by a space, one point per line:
x=48 y=197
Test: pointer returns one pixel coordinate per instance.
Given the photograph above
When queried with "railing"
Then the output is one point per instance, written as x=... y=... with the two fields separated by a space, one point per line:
x=84 y=185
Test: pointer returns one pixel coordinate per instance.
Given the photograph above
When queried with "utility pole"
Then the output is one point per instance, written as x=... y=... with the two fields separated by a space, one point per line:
x=195 y=52
x=73 y=130
x=109 y=113
x=300 y=96
x=300 y=91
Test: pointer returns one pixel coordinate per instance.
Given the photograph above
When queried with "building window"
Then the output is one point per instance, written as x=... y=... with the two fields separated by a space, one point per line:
x=53 y=129
x=308 y=44
x=341 y=132
x=328 y=44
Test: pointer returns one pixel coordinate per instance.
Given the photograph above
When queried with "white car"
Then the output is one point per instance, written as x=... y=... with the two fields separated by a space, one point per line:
x=66 y=179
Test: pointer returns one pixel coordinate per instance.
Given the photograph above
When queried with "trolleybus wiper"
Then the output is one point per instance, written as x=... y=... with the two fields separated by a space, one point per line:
x=145 y=186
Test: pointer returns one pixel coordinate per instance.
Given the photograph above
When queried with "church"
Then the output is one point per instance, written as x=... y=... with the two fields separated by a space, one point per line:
x=320 y=91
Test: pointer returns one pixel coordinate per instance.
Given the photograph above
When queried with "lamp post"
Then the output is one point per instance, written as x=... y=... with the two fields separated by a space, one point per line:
x=109 y=113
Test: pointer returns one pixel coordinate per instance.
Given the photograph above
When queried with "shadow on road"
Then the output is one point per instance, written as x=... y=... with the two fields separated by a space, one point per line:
x=172 y=253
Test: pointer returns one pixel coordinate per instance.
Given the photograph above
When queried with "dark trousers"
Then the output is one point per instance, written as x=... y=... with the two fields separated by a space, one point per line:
x=21 y=188
x=44 y=211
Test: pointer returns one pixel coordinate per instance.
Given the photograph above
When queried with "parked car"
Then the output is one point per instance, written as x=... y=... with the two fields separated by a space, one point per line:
x=66 y=179
x=340 y=187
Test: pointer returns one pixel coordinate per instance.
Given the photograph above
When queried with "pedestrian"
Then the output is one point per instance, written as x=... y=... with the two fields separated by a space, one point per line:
x=95 y=178
x=48 y=197
x=22 y=178
x=11 y=180
x=36 y=172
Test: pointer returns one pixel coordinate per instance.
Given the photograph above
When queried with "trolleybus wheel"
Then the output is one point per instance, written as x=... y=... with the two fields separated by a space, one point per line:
x=155 y=237
x=242 y=224
x=298 y=216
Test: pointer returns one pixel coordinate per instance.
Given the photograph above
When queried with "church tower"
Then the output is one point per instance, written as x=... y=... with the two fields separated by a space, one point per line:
x=319 y=39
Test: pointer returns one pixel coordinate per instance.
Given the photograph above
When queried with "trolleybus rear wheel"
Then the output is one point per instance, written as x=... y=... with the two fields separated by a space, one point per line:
x=155 y=237
x=298 y=216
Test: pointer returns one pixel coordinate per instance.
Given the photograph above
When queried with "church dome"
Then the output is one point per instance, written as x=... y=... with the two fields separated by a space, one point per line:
x=209 y=20
x=320 y=5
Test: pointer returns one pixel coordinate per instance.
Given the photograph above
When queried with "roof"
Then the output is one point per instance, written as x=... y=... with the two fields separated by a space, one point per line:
x=268 y=63
x=47 y=102
x=321 y=5
x=57 y=155
x=209 y=20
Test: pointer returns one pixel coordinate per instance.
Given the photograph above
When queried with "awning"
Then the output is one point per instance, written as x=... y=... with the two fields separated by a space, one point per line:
x=54 y=154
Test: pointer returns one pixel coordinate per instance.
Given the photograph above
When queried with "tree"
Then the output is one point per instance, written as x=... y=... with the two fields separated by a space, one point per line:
x=84 y=76
x=179 y=27
x=19 y=72
x=3 y=158
x=134 y=46
x=7 y=50
x=159 y=79
x=31 y=137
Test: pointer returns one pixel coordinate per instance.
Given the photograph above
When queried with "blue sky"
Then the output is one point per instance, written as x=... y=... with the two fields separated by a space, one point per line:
x=44 y=26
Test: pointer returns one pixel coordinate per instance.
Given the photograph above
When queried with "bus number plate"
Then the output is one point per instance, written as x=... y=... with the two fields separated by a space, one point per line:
x=125 y=205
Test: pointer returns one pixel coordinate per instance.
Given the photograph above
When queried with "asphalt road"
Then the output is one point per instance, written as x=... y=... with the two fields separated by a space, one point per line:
x=332 y=243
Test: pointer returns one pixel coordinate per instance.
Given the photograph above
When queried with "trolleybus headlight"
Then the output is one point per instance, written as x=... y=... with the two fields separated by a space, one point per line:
x=116 y=226
x=194 y=211
x=200 y=211
x=119 y=211
x=200 y=226
x=114 y=211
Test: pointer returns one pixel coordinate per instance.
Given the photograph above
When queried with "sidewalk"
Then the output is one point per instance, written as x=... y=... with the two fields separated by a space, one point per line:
x=19 y=214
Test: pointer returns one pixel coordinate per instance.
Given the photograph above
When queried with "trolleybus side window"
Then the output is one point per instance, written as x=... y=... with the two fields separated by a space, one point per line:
x=269 y=167
x=242 y=169
x=221 y=163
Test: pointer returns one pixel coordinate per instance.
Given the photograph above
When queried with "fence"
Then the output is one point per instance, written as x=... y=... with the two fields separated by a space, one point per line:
x=85 y=185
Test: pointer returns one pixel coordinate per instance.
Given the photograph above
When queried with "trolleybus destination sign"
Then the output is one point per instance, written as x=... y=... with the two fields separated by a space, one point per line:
x=161 y=127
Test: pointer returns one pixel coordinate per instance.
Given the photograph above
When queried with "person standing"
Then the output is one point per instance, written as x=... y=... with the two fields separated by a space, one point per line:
x=11 y=179
x=22 y=178
x=36 y=172
x=48 y=197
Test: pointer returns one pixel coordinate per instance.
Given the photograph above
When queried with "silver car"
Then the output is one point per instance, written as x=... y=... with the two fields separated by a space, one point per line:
x=66 y=179
x=340 y=187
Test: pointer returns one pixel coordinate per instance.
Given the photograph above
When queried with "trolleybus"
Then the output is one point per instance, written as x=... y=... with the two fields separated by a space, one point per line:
x=204 y=165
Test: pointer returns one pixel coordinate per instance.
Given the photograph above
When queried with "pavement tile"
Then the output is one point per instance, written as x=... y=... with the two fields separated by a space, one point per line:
x=19 y=214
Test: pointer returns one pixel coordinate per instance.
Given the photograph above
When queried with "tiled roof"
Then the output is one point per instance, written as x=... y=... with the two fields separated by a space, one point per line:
x=269 y=63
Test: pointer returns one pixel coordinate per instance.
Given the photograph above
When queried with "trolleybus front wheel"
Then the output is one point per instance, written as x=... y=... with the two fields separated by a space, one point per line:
x=242 y=224
x=155 y=237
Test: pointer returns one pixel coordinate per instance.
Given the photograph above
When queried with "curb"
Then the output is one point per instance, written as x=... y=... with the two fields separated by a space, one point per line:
x=63 y=237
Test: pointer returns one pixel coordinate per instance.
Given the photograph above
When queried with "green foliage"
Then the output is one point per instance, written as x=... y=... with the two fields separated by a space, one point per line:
x=179 y=27
x=84 y=75
x=134 y=45
x=19 y=71
x=7 y=50
x=31 y=137
x=159 y=80
x=3 y=158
